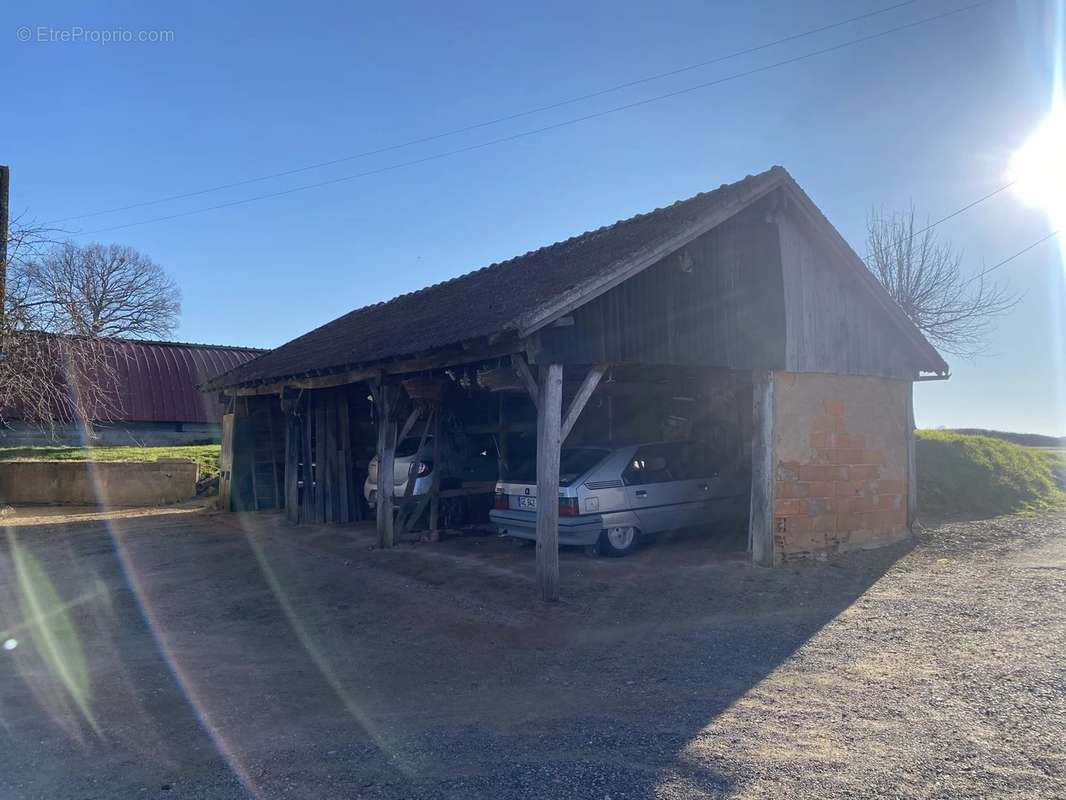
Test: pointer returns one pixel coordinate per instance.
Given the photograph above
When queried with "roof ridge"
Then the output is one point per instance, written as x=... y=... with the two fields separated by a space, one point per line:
x=174 y=343
x=541 y=249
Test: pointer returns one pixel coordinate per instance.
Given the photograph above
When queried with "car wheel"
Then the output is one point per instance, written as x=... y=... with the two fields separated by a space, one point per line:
x=618 y=541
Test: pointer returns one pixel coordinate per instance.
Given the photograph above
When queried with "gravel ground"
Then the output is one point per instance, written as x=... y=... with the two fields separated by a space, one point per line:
x=179 y=654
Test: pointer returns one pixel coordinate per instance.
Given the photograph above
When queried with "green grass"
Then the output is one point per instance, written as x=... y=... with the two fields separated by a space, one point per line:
x=206 y=455
x=966 y=474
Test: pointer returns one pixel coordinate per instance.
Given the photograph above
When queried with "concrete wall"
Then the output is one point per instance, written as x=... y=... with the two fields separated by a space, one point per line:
x=840 y=463
x=97 y=483
x=150 y=434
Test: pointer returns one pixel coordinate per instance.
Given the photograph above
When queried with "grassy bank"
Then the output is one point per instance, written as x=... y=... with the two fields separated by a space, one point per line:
x=206 y=455
x=966 y=474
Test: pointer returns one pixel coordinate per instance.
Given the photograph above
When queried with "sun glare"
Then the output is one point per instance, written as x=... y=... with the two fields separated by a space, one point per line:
x=1039 y=167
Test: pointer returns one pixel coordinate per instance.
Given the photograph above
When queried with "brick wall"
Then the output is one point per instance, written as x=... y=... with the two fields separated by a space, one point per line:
x=840 y=463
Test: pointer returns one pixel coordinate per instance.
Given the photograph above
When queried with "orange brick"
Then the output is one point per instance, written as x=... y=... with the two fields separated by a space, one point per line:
x=873 y=457
x=834 y=408
x=889 y=502
x=828 y=424
x=890 y=487
x=824 y=522
x=819 y=439
x=813 y=506
x=849 y=488
x=815 y=472
x=837 y=505
x=858 y=441
x=888 y=520
x=797 y=524
x=787 y=471
x=804 y=541
x=826 y=472
x=860 y=504
x=845 y=456
x=840 y=440
x=819 y=489
x=784 y=507
x=849 y=522
x=864 y=472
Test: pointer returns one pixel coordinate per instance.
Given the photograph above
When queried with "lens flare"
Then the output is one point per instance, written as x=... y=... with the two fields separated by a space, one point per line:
x=1039 y=167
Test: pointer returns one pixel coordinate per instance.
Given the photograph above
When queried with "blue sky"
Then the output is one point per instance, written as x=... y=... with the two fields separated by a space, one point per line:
x=243 y=89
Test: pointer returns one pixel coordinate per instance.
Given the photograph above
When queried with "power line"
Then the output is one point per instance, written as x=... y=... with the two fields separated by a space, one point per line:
x=953 y=214
x=495 y=121
x=1009 y=259
x=546 y=128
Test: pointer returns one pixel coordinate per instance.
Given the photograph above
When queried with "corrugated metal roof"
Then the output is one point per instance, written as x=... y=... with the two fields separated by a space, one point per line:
x=157 y=381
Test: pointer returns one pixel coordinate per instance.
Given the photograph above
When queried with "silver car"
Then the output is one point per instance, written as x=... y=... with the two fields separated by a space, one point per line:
x=460 y=461
x=610 y=496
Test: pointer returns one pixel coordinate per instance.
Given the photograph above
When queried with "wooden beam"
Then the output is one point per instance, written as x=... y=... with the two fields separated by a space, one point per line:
x=292 y=468
x=434 y=489
x=912 y=463
x=502 y=443
x=549 y=442
x=584 y=392
x=526 y=374
x=225 y=464
x=761 y=522
x=384 y=397
x=439 y=360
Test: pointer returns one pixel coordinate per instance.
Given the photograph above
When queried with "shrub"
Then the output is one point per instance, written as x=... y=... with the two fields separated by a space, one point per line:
x=965 y=474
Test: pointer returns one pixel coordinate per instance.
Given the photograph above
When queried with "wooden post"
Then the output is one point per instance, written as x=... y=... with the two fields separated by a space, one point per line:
x=584 y=392
x=912 y=464
x=549 y=442
x=434 y=489
x=5 y=213
x=761 y=523
x=292 y=461
x=503 y=448
x=385 y=396
x=225 y=464
x=248 y=422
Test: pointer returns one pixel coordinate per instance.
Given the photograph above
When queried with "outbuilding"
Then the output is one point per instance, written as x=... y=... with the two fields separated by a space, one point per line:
x=147 y=392
x=739 y=316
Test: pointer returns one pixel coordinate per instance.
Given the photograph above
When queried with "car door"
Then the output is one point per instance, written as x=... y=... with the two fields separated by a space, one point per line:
x=651 y=490
x=700 y=483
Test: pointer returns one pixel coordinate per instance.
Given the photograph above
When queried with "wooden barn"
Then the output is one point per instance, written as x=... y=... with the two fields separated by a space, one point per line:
x=738 y=318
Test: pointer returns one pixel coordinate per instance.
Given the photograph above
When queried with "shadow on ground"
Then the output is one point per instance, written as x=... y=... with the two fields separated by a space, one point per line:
x=224 y=656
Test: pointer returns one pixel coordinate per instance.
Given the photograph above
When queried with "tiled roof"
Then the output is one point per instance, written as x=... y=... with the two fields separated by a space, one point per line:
x=490 y=300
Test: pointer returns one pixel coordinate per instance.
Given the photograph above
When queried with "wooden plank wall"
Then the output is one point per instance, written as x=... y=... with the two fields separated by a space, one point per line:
x=831 y=322
x=717 y=302
x=324 y=466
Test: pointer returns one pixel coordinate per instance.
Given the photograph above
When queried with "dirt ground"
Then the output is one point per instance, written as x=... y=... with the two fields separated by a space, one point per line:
x=182 y=654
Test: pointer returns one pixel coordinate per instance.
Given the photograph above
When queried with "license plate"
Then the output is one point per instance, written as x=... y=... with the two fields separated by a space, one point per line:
x=528 y=503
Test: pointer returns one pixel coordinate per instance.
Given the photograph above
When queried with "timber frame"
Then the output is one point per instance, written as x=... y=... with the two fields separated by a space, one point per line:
x=749 y=279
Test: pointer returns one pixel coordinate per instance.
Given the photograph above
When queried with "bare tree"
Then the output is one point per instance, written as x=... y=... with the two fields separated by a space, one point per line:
x=97 y=290
x=49 y=380
x=924 y=275
x=57 y=363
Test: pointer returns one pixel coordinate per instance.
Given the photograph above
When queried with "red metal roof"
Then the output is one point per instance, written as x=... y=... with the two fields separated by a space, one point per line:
x=157 y=380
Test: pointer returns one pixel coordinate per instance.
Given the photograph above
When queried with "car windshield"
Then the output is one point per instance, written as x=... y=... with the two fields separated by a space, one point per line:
x=573 y=463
